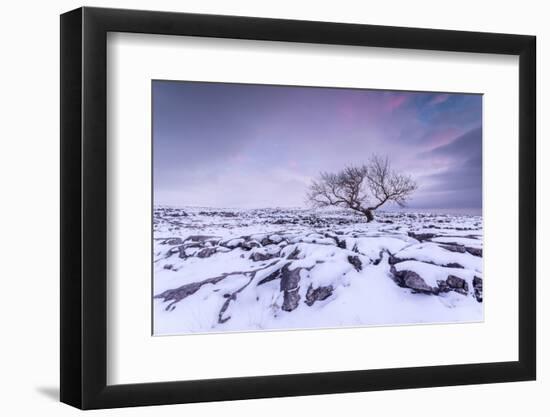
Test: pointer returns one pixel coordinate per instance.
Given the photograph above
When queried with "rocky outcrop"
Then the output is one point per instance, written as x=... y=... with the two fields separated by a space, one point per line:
x=453 y=283
x=415 y=282
x=356 y=262
x=291 y=300
x=202 y=238
x=218 y=213
x=453 y=248
x=290 y=279
x=410 y=279
x=421 y=237
x=450 y=265
x=263 y=256
x=393 y=260
x=181 y=252
x=249 y=245
x=271 y=240
x=178 y=294
x=478 y=289
x=318 y=294
x=271 y=277
x=475 y=251
x=341 y=243
x=229 y=298
x=206 y=252
x=294 y=254
x=172 y=241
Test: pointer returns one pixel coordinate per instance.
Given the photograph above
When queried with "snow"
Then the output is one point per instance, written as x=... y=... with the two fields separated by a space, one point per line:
x=333 y=250
x=433 y=253
x=474 y=243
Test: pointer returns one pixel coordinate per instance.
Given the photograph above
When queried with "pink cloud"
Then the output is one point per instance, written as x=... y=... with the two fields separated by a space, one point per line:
x=444 y=136
x=395 y=102
x=440 y=98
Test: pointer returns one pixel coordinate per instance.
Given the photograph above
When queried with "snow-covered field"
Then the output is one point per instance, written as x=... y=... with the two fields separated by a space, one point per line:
x=219 y=270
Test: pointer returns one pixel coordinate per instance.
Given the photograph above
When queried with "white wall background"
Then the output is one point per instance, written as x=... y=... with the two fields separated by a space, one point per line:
x=29 y=174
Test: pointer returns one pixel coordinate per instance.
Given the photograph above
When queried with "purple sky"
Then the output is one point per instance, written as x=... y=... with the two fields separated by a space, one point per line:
x=238 y=145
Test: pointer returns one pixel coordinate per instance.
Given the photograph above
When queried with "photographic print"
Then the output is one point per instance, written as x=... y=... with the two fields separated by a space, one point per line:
x=293 y=207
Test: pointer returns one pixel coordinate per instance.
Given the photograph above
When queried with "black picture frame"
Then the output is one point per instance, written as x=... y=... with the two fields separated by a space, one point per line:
x=84 y=207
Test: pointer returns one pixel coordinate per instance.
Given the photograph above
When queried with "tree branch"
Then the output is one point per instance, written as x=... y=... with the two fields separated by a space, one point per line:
x=353 y=187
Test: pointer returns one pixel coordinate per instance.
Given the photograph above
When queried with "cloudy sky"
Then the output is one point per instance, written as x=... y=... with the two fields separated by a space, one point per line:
x=238 y=145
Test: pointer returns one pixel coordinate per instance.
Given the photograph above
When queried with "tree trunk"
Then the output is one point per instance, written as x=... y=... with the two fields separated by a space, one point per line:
x=370 y=216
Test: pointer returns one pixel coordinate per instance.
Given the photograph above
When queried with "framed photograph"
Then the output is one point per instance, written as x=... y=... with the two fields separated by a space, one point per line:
x=258 y=208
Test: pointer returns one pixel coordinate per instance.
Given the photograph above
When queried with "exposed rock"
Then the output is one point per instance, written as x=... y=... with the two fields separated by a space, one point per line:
x=318 y=294
x=249 y=245
x=475 y=251
x=356 y=262
x=421 y=237
x=177 y=294
x=395 y=277
x=275 y=239
x=186 y=290
x=416 y=282
x=246 y=237
x=291 y=300
x=477 y=281
x=478 y=289
x=177 y=214
x=290 y=278
x=340 y=243
x=273 y=276
x=266 y=241
x=218 y=213
x=244 y=243
x=201 y=238
x=289 y=286
x=456 y=282
x=206 y=252
x=188 y=244
x=453 y=283
x=294 y=254
x=392 y=260
x=181 y=250
x=172 y=241
x=410 y=279
x=233 y=243
x=452 y=265
x=229 y=298
x=379 y=259
x=259 y=256
x=453 y=248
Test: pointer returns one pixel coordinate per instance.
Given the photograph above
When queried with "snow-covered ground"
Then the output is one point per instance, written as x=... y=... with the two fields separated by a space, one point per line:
x=219 y=270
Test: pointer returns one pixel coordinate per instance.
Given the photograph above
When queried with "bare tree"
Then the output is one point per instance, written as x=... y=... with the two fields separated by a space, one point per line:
x=363 y=189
